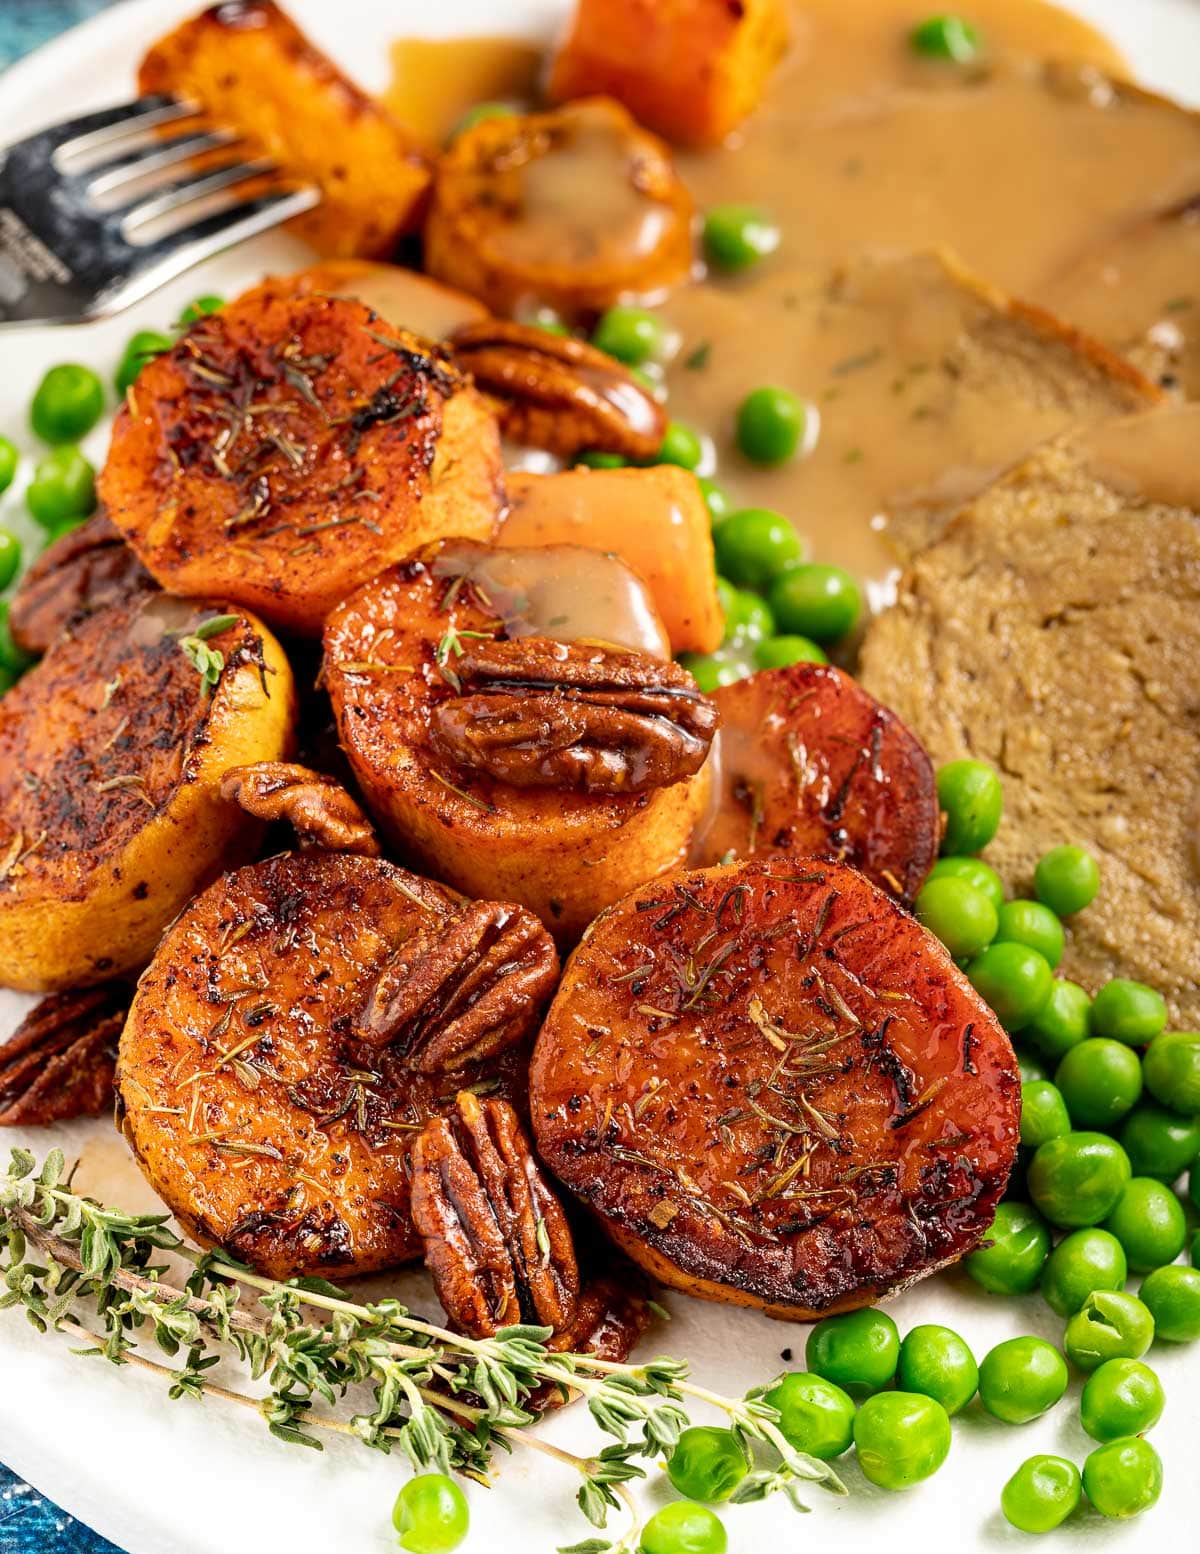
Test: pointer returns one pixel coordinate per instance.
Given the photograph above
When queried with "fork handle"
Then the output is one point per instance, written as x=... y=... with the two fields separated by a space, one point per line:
x=35 y=285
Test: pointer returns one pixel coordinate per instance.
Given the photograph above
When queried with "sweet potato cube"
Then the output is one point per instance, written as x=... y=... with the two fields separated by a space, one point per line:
x=251 y=69
x=690 y=69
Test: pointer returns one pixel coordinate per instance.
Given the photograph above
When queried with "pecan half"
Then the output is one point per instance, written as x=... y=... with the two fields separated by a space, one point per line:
x=542 y=714
x=559 y=393
x=463 y=990
x=79 y=573
x=60 y=1061
x=319 y=809
x=497 y=1243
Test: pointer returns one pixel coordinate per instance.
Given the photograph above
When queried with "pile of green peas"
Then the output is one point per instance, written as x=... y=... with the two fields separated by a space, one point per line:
x=67 y=404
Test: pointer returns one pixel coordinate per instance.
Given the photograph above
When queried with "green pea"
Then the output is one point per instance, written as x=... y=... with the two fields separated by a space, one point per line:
x=814 y=599
x=63 y=488
x=1172 y=1296
x=548 y=321
x=1041 y=1494
x=1194 y=1185
x=754 y=545
x=1196 y=1250
x=1021 y=1378
x=1172 y=1069
x=1043 y=1113
x=1015 y=980
x=680 y=446
x=1120 y=1397
x=1149 y=1222
x=1101 y=1080
x=1010 y=1258
x=199 y=308
x=901 y=1438
x=815 y=1415
x=598 y=458
x=725 y=666
x=1077 y=1180
x=67 y=403
x=1159 y=1142
x=962 y=917
x=937 y=1363
x=747 y=615
x=1066 y=879
x=972 y=799
x=684 y=1528
x=1110 y=1325
x=1032 y=1070
x=633 y=335
x=1123 y=1478
x=9 y=459
x=1035 y=925
x=781 y=652
x=716 y=498
x=478 y=114
x=770 y=425
x=431 y=1514
x=737 y=236
x=13 y=660
x=977 y=873
x=1083 y=1262
x=1128 y=1011
x=1062 y=1021
x=10 y=556
x=707 y=1464
x=143 y=347
x=946 y=37
x=858 y=1350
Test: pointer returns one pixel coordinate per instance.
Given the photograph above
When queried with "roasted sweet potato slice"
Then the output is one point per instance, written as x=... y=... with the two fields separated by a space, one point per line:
x=510 y=224
x=256 y=1111
x=655 y=519
x=690 y=69
x=811 y=764
x=112 y=751
x=79 y=572
x=403 y=297
x=289 y=447
x=775 y=1088
x=400 y=668
x=251 y=68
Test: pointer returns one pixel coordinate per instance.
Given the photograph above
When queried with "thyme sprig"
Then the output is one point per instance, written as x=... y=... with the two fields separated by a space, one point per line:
x=443 y=1399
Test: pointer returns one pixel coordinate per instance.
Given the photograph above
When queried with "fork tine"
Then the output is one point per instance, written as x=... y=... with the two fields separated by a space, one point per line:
x=175 y=195
x=113 y=177
x=93 y=131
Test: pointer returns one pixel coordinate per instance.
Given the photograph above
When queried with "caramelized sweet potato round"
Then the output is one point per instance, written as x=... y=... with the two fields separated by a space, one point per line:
x=811 y=764
x=574 y=208
x=289 y=447
x=775 y=1088
x=112 y=751
x=396 y=654
x=79 y=572
x=255 y=1110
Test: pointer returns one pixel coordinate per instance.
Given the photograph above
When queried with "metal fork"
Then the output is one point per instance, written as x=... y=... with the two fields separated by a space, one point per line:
x=98 y=212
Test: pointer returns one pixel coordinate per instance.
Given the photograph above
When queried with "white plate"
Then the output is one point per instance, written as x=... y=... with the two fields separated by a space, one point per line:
x=182 y=1478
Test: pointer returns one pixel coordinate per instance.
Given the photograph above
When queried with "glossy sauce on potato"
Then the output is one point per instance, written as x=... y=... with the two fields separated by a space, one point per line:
x=775 y=1088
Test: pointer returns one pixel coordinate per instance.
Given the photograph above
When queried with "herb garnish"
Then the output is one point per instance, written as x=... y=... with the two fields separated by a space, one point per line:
x=209 y=663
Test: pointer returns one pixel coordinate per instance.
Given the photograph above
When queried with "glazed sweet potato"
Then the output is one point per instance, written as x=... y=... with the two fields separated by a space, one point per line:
x=690 y=69
x=81 y=571
x=508 y=224
x=775 y=1088
x=289 y=447
x=112 y=751
x=655 y=519
x=811 y=764
x=406 y=298
x=247 y=64
x=400 y=669
x=263 y=1114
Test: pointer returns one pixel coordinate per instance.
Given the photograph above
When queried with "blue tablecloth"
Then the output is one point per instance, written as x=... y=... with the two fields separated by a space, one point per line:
x=30 y=1524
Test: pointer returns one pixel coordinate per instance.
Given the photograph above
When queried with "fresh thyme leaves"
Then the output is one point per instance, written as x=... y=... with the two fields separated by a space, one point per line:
x=209 y=663
x=451 y=643
x=443 y=1399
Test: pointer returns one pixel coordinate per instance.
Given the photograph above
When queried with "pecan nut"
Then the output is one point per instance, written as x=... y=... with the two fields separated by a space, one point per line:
x=559 y=393
x=318 y=808
x=78 y=574
x=496 y=1240
x=463 y=991
x=60 y=1061
x=540 y=714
